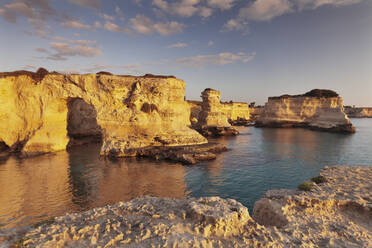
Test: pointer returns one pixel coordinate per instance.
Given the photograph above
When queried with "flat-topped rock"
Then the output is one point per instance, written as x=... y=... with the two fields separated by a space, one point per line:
x=316 y=110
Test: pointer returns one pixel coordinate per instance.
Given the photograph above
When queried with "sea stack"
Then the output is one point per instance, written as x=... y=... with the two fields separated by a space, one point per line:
x=212 y=120
x=317 y=109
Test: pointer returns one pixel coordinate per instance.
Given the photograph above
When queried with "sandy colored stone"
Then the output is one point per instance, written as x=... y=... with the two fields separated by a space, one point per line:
x=131 y=112
x=212 y=119
x=353 y=112
x=324 y=113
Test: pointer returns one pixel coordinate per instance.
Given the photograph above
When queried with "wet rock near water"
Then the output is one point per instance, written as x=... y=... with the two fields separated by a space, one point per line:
x=336 y=212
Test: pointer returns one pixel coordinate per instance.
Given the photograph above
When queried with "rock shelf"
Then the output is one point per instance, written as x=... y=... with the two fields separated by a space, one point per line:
x=336 y=213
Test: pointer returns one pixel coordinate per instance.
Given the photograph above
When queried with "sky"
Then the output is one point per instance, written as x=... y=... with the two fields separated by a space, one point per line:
x=247 y=49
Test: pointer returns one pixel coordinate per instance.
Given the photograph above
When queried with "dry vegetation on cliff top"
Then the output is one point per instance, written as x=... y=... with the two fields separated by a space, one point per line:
x=335 y=213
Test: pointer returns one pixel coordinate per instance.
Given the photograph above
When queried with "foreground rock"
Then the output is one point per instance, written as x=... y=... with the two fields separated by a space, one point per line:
x=336 y=213
x=317 y=109
x=353 y=112
x=45 y=111
x=212 y=120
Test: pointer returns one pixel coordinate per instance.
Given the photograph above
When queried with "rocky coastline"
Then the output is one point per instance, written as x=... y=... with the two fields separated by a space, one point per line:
x=48 y=112
x=355 y=112
x=336 y=211
x=320 y=110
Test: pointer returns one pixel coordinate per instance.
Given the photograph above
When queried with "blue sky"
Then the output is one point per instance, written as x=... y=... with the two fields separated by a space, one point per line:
x=247 y=49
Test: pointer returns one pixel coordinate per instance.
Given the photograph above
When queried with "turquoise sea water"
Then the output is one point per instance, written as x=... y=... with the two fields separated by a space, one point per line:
x=257 y=160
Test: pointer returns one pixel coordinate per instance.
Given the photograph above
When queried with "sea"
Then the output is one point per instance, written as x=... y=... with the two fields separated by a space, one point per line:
x=259 y=159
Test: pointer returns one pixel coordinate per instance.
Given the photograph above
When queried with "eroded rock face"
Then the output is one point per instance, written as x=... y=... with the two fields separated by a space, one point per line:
x=358 y=112
x=238 y=113
x=335 y=213
x=212 y=120
x=131 y=112
x=313 y=110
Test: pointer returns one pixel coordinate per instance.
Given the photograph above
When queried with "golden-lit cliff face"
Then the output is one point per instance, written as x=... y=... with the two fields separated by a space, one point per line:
x=234 y=111
x=325 y=113
x=131 y=112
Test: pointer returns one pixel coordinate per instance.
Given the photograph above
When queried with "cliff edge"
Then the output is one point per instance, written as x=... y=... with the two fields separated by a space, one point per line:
x=317 y=109
x=45 y=111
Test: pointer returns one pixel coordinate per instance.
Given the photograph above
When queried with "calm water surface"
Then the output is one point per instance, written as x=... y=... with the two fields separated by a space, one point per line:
x=258 y=159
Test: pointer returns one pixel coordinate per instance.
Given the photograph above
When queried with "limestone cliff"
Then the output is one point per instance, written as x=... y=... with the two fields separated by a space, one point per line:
x=353 y=112
x=212 y=120
x=317 y=109
x=41 y=111
x=237 y=113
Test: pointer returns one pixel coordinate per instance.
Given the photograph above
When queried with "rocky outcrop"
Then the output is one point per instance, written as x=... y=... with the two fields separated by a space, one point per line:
x=43 y=111
x=255 y=112
x=237 y=113
x=335 y=213
x=212 y=120
x=353 y=112
x=317 y=109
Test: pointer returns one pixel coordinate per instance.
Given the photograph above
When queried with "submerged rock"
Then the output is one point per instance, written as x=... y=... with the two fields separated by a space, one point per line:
x=335 y=213
x=317 y=110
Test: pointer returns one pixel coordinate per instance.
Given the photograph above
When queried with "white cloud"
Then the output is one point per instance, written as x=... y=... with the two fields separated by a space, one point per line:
x=119 y=13
x=188 y=8
x=221 y=4
x=95 y=4
x=266 y=10
x=75 y=24
x=61 y=50
x=144 y=25
x=107 y=17
x=178 y=45
x=313 y=4
x=112 y=27
x=210 y=43
x=216 y=59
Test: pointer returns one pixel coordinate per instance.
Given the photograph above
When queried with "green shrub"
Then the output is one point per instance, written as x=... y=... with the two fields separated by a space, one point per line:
x=306 y=186
x=318 y=179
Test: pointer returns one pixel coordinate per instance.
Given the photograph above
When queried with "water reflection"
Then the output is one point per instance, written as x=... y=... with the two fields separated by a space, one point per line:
x=34 y=189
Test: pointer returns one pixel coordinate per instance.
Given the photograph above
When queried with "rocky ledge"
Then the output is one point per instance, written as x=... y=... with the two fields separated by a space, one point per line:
x=337 y=212
x=317 y=110
x=47 y=112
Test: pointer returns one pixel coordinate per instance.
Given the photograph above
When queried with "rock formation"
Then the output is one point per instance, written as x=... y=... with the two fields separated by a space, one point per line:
x=317 y=109
x=255 y=112
x=43 y=111
x=335 y=213
x=237 y=113
x=353 y=112
x=212 y=120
